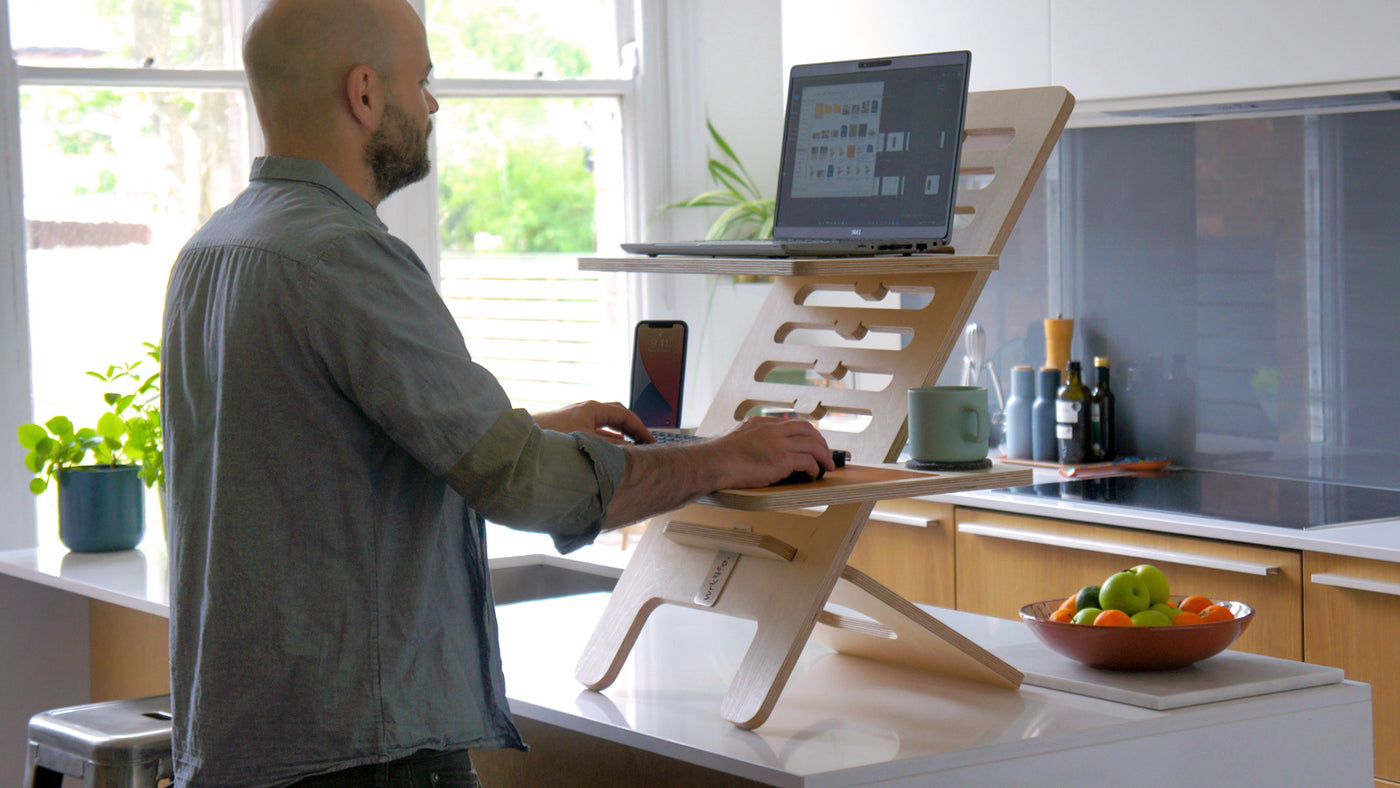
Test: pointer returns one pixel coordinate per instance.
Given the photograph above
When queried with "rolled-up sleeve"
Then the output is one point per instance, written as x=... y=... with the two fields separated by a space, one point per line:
x=534 y=479
x=389 y=342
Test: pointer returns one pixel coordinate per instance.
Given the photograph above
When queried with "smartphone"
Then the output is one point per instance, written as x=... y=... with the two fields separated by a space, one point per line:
x=658 y=372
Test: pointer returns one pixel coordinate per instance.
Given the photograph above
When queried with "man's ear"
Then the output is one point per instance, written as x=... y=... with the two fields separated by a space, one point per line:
x=363 y=93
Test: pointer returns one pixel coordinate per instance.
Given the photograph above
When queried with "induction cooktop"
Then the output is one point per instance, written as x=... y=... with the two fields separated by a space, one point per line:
x=1263 y=500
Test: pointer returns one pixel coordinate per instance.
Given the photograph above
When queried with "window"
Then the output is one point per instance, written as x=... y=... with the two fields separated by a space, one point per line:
x=530 y=174
x=135 y=126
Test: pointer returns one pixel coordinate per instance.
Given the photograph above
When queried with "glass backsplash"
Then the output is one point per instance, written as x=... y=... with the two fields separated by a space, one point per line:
x=1242 y=275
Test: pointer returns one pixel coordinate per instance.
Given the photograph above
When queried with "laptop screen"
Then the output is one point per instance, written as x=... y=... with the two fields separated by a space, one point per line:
x=870 y=148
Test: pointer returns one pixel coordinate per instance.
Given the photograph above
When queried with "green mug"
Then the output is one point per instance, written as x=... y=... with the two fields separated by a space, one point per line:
x=948 y=423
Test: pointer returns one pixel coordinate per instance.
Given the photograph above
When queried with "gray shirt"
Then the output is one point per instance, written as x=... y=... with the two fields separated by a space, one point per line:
x=331 y=449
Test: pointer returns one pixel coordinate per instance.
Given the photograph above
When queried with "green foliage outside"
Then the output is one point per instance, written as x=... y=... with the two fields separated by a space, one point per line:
x=532 y=190
x=537 y=195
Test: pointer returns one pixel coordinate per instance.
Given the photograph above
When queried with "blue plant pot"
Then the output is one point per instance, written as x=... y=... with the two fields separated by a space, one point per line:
x=101 y=508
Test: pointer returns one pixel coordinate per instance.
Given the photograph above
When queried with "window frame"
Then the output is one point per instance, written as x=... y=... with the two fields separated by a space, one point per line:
x=640 y=88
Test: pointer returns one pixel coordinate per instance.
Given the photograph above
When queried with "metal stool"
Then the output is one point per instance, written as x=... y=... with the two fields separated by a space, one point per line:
x=118 y=744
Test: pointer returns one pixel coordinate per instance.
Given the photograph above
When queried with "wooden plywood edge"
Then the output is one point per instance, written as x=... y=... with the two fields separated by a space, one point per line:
x=898 y=482
x=905 y=634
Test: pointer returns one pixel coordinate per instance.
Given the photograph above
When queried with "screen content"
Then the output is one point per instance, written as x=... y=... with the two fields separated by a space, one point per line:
x=876 y=149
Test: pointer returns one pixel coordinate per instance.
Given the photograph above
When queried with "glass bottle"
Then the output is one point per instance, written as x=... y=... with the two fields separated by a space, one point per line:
x=1104 y=439
x=1072 y=414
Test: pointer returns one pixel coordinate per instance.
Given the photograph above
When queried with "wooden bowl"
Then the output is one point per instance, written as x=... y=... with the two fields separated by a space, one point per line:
x=1136 y=648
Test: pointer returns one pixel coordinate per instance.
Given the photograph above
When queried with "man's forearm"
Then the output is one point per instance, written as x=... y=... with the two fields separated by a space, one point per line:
x=660 y=479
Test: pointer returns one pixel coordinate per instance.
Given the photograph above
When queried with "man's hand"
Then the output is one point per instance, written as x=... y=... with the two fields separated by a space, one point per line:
x=607 y=420
x=764 y=450
x=757 y=453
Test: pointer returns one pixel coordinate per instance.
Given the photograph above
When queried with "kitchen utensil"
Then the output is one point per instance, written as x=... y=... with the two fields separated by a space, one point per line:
x=975 y=362
x=975 y=342
x=1058 y=333
x=1136 y=648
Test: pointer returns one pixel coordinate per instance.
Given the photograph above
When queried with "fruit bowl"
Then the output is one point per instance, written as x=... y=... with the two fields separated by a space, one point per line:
x=1136 y=648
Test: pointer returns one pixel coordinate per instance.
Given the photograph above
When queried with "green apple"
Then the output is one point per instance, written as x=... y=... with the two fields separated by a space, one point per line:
x=1166 y=610
x=1087 y=615
x=1088 y=596
x=1150 y=618
x=1125 y=591
x=1157 y=585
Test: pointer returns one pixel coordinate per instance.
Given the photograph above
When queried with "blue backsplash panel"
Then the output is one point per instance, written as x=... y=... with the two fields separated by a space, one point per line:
x=1242 y=275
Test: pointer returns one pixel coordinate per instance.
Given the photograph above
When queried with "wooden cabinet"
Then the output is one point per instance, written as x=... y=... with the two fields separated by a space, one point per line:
x=1004 y=561
x=907 y=546
x=1351 y=620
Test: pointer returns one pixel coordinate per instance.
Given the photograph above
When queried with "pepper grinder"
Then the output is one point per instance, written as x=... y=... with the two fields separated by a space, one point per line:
x=1058 y=333
x=1018 y=413
x=1044 y=445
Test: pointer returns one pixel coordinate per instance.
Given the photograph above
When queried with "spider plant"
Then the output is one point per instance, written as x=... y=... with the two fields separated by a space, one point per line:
x=747 y=213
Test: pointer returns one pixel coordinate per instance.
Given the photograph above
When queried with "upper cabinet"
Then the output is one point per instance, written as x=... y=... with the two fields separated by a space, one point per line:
x=1106 y=50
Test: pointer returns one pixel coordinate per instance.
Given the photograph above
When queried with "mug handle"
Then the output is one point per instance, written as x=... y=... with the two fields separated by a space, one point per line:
x=976 y=436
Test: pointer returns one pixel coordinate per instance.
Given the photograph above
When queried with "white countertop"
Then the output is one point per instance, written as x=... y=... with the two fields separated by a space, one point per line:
x=846 y=720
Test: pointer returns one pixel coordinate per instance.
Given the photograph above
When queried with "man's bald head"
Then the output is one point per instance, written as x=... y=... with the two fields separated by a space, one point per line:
x=297 y=54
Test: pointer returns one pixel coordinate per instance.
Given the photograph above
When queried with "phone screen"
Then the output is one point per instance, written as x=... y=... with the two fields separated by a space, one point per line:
x=658 y=372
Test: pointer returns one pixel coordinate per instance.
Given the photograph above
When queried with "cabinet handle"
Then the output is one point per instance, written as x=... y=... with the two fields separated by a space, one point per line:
x=1356 y=583
x=1096 y=546
x=900 y=518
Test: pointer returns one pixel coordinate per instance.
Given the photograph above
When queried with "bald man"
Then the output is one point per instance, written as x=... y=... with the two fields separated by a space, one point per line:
x=332 y=449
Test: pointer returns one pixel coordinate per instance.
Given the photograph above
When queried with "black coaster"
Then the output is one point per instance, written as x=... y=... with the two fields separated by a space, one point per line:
x=929 y=465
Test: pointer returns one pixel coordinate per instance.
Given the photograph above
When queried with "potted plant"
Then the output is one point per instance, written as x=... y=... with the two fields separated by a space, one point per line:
x=101 y=505
x=747 y=213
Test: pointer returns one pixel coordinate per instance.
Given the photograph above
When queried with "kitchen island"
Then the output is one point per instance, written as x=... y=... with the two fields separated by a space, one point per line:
x=841 y=721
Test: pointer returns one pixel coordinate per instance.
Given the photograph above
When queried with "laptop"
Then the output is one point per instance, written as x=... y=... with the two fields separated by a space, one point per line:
x=869 y=163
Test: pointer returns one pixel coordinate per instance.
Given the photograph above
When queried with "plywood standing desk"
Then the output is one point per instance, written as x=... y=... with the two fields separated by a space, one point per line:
x=777 y=555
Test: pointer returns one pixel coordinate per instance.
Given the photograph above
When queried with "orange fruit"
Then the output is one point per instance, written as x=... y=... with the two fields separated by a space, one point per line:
x=1113 y=618
x=1195 y=604
x=1216 y=613
x=1185 y=617
x=1063 y=616
x=1068 y=604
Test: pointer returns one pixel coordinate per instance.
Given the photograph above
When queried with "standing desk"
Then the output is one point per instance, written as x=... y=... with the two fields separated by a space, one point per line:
x=777 y=555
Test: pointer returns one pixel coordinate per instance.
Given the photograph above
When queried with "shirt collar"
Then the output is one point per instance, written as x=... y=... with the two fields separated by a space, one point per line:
x=313 y=172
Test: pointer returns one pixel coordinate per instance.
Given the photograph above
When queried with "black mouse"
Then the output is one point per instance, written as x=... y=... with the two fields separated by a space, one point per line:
x=838 y=456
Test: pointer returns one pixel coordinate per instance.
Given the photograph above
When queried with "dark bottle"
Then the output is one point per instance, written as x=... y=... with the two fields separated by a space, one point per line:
x=1103 y=436
x=1072 y=413
x=1044 y=448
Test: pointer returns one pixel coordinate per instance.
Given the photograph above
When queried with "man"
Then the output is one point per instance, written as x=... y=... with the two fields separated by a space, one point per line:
x=332 y=450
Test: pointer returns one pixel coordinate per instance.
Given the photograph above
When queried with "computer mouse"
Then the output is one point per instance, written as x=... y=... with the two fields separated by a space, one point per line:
x=838 y=456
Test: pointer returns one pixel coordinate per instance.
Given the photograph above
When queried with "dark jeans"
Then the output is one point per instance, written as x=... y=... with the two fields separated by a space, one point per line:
x=425 y=769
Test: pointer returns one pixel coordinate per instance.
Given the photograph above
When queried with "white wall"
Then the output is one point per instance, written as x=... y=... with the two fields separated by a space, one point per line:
x=725 y=63
x=1009 y=39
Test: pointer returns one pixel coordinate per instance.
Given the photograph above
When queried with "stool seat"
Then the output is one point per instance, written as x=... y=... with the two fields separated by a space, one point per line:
x=116 y=744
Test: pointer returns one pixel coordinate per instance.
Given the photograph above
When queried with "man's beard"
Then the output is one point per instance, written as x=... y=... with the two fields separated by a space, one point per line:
x=397 y=152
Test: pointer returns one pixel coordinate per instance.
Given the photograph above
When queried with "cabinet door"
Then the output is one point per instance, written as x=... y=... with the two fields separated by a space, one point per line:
x=1195 y=46
x=1005 y=561
x=1351 y=620
x=907 y=546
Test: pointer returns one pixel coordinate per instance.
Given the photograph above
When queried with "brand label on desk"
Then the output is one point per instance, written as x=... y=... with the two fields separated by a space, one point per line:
x=716 y=578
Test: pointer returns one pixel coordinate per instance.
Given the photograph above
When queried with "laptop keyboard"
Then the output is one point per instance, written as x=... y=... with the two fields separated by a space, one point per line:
x=675 y=437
